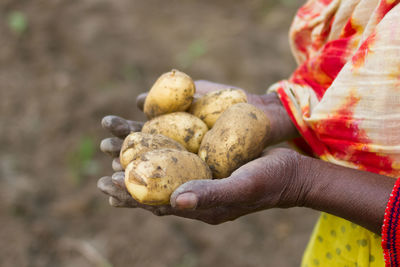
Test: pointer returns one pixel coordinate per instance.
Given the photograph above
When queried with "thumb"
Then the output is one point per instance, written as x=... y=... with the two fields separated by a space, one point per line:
x=205 y=194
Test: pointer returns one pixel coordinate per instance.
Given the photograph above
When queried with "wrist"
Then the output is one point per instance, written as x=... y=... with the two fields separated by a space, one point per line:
x=355 y=195
x=294 y=171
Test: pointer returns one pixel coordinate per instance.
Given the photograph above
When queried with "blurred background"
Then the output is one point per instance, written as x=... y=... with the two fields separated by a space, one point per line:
x=63 y=66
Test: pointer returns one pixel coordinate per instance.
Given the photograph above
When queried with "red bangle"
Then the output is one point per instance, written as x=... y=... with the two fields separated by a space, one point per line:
x=391 y=228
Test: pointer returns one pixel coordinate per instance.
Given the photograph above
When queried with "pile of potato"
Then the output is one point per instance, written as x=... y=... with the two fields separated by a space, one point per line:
x=187 y=139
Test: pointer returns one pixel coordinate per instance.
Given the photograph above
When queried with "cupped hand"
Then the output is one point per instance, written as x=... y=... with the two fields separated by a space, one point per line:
x=120 y=127
x=269 y=181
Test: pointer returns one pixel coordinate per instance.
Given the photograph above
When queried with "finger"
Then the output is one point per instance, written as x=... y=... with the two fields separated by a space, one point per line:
x=120 y=127
x=206 y=194
x=116 y=165
x=114 y=202
x=111 y=146
x=103 y=184
x=204 y=87
x=140 y=101
x=118 y=179
x=116 y=125
x=106 y=185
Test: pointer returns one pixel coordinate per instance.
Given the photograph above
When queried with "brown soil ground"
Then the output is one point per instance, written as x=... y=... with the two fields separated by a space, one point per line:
x=77 y=61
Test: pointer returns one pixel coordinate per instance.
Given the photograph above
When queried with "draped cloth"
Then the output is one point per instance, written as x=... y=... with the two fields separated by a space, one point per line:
x=344 y=98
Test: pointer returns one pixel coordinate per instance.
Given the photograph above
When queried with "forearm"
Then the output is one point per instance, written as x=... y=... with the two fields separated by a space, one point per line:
x=355 y=195
x=358 y=196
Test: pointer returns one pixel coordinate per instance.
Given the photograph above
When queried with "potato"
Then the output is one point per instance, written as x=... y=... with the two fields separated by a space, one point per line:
x=172 y=92
x=238 y=136
x=185 y=128
x=210 y=106
x=152 y=177
x=137 y=143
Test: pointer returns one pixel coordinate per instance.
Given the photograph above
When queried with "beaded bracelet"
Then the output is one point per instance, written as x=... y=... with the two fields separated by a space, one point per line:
x=391 y=228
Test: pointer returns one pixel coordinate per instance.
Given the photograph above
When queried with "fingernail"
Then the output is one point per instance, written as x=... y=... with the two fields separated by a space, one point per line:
x=186 y=201
x=106 y=121
x=116 y=165
x=118 y=178
x=104 y=145
x=111 y=145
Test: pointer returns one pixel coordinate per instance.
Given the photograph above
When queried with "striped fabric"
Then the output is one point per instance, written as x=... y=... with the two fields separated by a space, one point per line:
x=391 y=228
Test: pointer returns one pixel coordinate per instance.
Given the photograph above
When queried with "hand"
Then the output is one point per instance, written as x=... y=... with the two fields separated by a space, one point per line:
x=283 y=128
x=233 y=203
x=280 y=178
x=120 y=127
x=267 y=182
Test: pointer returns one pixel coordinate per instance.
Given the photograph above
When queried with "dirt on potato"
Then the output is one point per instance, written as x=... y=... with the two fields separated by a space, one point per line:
x=66 y=64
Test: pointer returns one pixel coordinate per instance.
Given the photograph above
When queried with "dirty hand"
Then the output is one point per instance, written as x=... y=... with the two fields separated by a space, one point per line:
x=263 y=183
x=269 y=181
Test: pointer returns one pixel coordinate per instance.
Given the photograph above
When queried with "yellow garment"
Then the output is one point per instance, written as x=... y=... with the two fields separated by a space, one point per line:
x=344 y=98
x=337 y=242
